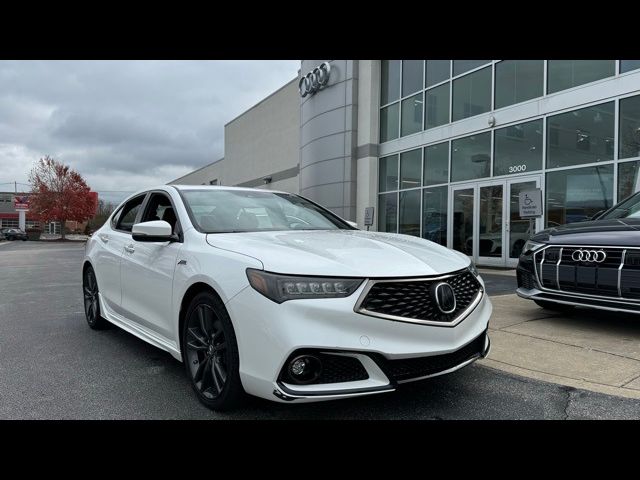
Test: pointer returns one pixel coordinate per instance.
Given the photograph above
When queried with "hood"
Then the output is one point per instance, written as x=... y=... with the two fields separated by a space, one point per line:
x=348 y=253
x=618 y=232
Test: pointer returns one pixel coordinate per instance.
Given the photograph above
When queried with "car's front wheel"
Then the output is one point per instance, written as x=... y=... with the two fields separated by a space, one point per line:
x=210 y=353
x=92 y=301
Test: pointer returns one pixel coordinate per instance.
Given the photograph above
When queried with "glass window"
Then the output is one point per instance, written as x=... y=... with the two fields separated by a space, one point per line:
x=628 y=65
x=437 y=71
x=434 y=214
x=389 y=81
x=563 y=74
x=225 y=211
x=410 y=169
x=412 y=115
x=580 y=136
x=129 y=214
x=518 y=80
x=410 y=213
x=628 y=179
x=388 y=213
x=629 y=127
x=412 y=71
x=472 y=94
x=388 y=173
x=389 y=123
x=471 y=157
x=518 y=148
x=461 y=66
x=436 y=164
x=437 y=106
x=576 y=195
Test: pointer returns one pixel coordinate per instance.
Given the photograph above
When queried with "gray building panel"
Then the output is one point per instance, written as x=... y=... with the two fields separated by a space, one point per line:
x=328 y=139
x=327 y=123
x=324 y=148
x=320 y=173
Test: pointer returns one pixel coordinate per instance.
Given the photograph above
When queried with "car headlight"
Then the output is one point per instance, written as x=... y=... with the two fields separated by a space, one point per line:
x=281 y=288
x=473 y=269
x=531 y=246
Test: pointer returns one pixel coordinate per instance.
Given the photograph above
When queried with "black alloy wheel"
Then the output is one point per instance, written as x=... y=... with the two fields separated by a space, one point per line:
x=92 y=301
x=210 y=353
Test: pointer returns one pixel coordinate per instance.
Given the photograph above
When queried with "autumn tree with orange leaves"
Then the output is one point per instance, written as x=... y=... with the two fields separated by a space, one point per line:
x=59 y=193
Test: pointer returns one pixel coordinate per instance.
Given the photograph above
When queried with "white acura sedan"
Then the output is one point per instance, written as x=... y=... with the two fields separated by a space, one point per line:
x=270 y=294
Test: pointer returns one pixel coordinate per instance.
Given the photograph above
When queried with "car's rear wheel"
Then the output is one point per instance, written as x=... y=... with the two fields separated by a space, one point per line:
x=210 y=353
x=558 y=307
x=92 y=300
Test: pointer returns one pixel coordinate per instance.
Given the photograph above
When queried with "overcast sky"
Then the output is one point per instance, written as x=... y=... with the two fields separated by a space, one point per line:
x=125 y=125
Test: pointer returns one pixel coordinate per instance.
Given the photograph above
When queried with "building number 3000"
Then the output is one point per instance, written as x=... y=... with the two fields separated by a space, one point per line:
x=517 y=168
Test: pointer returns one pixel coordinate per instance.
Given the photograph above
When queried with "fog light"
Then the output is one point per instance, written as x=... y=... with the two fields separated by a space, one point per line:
x=298 y=367
x=304 y=369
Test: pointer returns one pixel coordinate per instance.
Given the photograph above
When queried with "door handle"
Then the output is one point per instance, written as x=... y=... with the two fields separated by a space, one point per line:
x=129 y=249
x=104 y=238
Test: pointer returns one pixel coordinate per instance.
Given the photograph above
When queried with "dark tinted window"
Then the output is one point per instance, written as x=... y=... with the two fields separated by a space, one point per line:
x=129 y=213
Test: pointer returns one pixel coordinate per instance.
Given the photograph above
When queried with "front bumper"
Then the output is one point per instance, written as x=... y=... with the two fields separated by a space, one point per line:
x=529 y=288
x=269 y=333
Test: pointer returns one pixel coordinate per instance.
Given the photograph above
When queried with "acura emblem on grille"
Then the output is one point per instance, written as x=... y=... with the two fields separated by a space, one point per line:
x=597 y=256
x=444 y=296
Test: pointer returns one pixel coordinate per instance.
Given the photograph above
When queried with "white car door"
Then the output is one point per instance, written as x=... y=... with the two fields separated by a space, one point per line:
x=112 y=239
x=147 y=271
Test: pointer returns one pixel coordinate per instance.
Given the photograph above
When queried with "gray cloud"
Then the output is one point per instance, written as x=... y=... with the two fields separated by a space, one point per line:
x=125 y=125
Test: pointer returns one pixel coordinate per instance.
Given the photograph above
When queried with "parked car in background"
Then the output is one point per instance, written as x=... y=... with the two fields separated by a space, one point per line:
x=592 y=263
x=14 y=234
x=268 y=293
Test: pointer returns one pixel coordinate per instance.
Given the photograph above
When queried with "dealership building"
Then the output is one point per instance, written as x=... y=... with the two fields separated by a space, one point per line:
x=442 y=148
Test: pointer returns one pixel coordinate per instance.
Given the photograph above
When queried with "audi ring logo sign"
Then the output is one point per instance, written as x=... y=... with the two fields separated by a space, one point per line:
x=597 y=256
x=314 y=80
x=445 y=297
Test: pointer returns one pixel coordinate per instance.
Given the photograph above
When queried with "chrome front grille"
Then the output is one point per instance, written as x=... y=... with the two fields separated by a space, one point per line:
x=411 y=300
x=603 y=272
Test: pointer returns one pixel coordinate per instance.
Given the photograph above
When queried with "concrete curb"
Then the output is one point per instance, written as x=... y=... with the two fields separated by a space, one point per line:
x=588 y=349
x=566 y=381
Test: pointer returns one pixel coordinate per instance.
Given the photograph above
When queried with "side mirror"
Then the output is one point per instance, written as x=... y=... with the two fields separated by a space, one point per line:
x=153 y=231
x=353 y=224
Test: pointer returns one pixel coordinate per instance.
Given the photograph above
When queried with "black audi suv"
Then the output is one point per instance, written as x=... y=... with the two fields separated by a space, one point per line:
x=594 y=263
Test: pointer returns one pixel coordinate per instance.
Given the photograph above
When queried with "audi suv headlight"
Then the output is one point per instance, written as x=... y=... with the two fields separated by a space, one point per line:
x=531 y=246
x=281 y=288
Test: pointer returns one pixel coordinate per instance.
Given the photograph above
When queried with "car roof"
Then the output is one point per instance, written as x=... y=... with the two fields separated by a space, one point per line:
x=221 y=187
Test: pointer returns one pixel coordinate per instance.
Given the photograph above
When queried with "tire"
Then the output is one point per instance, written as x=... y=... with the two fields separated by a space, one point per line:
x=92 y=301
x=558 y=307
x=210 y=353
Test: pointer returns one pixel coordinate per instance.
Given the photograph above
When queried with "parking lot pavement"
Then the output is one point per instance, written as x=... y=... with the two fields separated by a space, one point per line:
x=52 y=366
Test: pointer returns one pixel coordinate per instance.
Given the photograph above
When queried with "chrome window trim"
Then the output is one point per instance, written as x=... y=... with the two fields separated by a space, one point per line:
x=371 y=282
x=585 y=295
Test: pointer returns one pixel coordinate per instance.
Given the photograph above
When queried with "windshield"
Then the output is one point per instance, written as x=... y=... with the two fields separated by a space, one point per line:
x=629 y=208
x=227 y=211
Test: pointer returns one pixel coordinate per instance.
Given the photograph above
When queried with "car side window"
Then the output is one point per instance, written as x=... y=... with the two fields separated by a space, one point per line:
x=129 y=213
x=159 y=207
x=114 y=218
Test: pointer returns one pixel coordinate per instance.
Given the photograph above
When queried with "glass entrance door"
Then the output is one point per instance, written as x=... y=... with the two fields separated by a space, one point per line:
x=486 y=223
x=490 y=224
x=463 y=212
